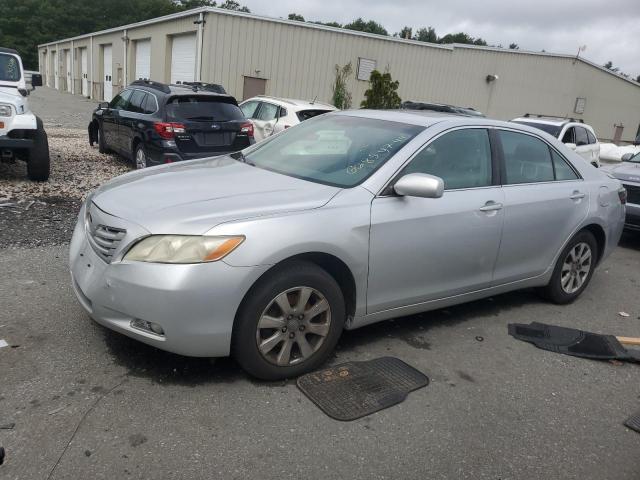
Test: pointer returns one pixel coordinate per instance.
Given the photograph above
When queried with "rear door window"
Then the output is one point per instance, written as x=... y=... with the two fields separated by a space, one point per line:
x=526 y=158
x=150 y=104
x=562 y=168
x=136 y=101
x=581 y=137
x=568 y=136
x=592 y=137
x=307 y=114
x=202 y=109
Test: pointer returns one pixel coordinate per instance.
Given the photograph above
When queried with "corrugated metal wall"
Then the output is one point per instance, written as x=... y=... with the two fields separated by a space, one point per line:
x=298 y=61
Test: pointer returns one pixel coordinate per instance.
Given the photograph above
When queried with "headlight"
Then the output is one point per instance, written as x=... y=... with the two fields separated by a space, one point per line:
x=5 y=110
x=182 y=248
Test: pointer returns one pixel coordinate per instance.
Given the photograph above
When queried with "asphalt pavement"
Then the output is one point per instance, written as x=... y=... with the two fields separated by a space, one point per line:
x=79 y=401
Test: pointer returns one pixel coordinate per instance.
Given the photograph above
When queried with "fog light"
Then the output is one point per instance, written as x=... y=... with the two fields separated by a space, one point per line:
x=149 y=327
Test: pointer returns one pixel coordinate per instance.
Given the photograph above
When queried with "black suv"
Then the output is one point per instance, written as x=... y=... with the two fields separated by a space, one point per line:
x=152 y=123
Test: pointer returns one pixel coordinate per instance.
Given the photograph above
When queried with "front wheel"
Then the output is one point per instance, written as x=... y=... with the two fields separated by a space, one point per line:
x=573 y=270
x=38 y=163
x=289 y=323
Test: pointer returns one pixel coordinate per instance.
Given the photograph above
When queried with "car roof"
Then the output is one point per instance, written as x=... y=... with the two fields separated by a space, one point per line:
x=8 y=50
x=293 y=103
x=555 y=122
x=426 y=118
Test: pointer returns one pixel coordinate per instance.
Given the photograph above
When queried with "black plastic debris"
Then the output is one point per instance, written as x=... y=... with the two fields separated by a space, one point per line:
x=2 y=453
x=633 y=422
x=570 y=341
x=355 y=389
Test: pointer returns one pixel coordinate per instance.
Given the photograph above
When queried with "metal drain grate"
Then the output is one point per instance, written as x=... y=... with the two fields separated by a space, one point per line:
x=355 y=389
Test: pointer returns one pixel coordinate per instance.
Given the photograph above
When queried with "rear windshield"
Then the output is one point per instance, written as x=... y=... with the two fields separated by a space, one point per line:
x=307 y=114
x=552 y=130
x=9 y=68
x=201 y=108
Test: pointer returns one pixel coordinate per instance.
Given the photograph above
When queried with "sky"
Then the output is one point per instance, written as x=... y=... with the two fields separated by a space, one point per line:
x=610 y=29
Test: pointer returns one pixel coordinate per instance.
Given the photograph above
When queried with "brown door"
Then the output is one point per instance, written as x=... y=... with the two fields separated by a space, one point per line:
x=617 y=134
x=253 y=86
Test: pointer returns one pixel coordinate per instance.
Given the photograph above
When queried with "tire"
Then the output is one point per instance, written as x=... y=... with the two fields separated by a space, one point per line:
x=571 y=274
x=38 y=163
x=300 y=345
x=140 y=159
x=102 y=146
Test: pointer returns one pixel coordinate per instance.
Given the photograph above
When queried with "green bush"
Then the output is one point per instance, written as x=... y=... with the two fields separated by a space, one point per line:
x=382 y=92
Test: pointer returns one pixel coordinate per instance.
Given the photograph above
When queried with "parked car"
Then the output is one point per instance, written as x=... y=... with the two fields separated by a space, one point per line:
x=151 y=123
x=271 y=115
x=575 y=134
x=441 y=107
x=22 y=134
x=348 y=219
x=628 y=172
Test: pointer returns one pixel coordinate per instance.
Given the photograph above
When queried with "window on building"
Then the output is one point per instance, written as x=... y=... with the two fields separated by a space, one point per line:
x=461 y=158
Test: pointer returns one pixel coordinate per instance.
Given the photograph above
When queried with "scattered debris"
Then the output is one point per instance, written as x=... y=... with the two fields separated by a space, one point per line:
x=2 y=454
x=623 y=314
x=59 y=409
x=3 y=343
x=479 y=338
x=633 y=422
x=7 y=426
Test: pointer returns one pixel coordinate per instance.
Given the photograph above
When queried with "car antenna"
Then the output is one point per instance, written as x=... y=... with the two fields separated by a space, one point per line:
x=314 y=99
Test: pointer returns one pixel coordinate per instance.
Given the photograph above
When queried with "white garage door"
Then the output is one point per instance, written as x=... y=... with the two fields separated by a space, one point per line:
x=143 y=59
x=107 y=68
x=183 y=58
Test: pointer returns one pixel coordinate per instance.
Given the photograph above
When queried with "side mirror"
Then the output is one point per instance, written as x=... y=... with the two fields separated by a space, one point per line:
x=626 y=157
x=572 y=146
x=419 y=185
x=36 y=80
x=103 y=105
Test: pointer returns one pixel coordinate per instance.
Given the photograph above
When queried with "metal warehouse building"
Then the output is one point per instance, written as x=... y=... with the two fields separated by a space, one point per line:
x=252 y=55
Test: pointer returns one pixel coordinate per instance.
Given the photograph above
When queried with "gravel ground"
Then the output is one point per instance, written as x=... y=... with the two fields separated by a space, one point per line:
x=43 y=213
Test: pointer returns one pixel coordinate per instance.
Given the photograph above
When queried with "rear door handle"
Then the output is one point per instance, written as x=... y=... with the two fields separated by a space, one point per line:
x=491 y=206
x=577 y=195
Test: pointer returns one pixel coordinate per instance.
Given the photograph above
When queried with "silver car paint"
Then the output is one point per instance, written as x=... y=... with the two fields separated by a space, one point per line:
x=629 y=174
x=395 y=271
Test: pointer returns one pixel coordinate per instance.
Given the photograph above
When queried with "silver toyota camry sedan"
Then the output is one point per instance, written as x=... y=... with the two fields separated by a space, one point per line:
x=344 y=220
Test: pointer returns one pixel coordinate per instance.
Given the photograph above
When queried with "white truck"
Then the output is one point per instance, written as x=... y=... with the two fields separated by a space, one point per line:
x=22 y=135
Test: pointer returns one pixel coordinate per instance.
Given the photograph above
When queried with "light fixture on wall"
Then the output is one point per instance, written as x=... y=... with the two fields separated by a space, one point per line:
x=492 y=78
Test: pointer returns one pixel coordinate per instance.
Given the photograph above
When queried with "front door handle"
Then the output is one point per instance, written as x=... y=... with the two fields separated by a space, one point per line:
x=491 y=206
x=577 y=195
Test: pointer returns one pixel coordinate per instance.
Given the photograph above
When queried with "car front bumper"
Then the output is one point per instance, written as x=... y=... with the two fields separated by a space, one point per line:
x=194 y=304
x=15 y=143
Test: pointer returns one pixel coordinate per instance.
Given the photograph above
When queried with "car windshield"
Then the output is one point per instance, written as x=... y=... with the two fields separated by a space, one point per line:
x=336 y=150
x=203 y=109
x=9 y=68
x=552 y=130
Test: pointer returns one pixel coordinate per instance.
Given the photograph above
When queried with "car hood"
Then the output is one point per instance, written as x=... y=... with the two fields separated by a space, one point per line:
x=194 y=196
x=626 y=171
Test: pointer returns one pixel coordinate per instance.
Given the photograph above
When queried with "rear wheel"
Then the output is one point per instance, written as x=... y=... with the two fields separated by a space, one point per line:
x=289 y=323
x=38 y=163
x=140 y=156
x=573 y=270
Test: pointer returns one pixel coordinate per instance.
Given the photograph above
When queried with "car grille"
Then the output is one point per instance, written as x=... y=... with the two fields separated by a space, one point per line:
x=633 y=193
x=104 y=240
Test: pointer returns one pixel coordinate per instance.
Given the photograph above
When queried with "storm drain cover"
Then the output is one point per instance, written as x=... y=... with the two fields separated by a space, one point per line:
x=355 y=389
x=633 y=422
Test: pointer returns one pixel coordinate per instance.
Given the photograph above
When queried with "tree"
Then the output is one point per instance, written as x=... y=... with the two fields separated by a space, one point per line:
x=341 y=96
x=406 y=32
x=382 y=92
x=427 y=35
x=461 y=37
x=609 y=66
x=232 y=5
x=295 y=16
x=514 y=46
x=370 y=27
x=329 y=24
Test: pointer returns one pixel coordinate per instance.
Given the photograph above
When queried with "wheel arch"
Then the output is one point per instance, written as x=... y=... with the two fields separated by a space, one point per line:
x=601 y=237
x=331 y=264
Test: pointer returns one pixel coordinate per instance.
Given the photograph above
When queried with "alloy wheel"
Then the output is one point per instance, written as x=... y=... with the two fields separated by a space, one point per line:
x=576 y=268
x=294 y=326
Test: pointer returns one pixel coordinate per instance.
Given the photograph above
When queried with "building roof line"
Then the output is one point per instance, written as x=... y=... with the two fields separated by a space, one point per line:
x=316 y=26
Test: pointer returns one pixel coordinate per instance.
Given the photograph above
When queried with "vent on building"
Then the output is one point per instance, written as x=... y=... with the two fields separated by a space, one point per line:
x=581 y=102
x=365 y=67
